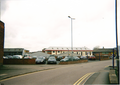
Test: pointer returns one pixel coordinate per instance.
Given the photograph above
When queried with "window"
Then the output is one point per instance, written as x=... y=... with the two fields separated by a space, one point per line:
x=90 y=53
x=58 y=51
x=53 y=51
x=104 y=52
x=48 y=51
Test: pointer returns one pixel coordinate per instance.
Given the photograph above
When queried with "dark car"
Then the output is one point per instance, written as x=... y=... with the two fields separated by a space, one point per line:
x=91 y=57
x=40 y=60
x=52 y=60
x=59 y=58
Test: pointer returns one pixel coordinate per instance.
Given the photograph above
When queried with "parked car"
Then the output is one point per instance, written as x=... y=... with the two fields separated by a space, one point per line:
x=59 y=58
x=83 y=57
x=40 y=60
x=91 y=57
x=66 y=59
x=34 y=57
x=4 y=57
x=111 y=57
x=28 y=57
x=75 y=58
x=17 y=57
x=52 y=60
x=9 y=57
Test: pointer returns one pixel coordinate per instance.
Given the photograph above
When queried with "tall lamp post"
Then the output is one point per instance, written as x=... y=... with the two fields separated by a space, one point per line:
x=116 y=38
x=71 y=36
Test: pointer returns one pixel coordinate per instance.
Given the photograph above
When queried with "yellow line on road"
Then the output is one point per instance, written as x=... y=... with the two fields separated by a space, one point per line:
x=83 y=78
x=107 y=66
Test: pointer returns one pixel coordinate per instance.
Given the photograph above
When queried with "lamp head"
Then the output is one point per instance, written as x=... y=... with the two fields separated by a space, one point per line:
x=69 y=17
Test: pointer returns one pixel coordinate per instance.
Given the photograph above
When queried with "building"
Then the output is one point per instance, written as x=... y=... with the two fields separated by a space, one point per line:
x=82 y=51
x=15 y=51
x=2 y=29
x=104 y=51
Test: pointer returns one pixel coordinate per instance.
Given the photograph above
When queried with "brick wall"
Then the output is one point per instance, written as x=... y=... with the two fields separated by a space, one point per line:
x=1 y=42
x=18 y=61
x=73 y=62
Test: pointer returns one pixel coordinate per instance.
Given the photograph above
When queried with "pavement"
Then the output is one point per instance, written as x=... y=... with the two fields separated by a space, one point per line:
x=8 y=71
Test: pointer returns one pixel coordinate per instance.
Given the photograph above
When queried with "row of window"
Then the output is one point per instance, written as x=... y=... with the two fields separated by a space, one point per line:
x=86 y=53
x=12 y=53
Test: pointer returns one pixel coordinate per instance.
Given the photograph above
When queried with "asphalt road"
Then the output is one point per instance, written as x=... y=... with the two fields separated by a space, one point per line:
x=63 y=75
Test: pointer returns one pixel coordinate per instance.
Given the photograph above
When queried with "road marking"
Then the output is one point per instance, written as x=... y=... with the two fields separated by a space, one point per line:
x=107 y=66
x=83 y=79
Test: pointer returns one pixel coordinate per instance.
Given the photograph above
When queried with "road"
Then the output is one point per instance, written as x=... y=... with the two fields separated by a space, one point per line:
x=63 y=75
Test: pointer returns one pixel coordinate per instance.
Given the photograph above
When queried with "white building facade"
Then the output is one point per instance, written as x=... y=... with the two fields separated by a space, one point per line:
x=82 y=51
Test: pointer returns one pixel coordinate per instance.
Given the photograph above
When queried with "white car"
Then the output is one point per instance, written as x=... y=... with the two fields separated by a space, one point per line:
x=83 y=57
x=17 y=57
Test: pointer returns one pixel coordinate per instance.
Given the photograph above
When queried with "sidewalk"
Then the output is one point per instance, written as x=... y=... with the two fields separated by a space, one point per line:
x=7 y=71
x=101 y=77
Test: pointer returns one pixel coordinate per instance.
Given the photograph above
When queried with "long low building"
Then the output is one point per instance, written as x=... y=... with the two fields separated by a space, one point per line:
x=15 y=51
x=82 y=51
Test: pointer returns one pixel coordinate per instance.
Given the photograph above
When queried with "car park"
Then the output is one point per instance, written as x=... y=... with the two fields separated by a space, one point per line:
x=52 y=60
x=40 y=60
x=91 y=57
x=17 y=57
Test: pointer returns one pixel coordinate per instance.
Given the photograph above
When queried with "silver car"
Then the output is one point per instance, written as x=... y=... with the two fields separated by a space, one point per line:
x=83 y=57
x=40 y=60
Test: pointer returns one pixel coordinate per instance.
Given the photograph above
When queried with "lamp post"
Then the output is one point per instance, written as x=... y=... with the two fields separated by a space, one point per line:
x=116 y=38
x=71 y=36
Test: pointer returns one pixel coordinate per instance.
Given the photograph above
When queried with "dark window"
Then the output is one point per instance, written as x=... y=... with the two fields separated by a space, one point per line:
x=53 y=51
x=104 y=52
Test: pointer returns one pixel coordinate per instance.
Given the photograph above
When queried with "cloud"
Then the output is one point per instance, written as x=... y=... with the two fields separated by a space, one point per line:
x=43 y=23
x=3 y=5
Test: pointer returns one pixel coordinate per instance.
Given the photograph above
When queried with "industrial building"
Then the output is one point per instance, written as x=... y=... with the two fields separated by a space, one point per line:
x=15 y=51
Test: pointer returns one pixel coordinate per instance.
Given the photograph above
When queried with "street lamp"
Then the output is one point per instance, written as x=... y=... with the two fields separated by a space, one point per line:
x=71 y=36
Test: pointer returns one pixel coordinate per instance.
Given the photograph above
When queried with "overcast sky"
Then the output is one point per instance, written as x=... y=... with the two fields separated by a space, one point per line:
x=38 y=24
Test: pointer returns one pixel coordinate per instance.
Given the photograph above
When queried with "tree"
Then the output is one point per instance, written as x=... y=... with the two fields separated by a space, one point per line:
x=96 y=47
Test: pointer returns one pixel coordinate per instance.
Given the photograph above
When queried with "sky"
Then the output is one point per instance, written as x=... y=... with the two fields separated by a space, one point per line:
x=38 y=24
